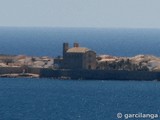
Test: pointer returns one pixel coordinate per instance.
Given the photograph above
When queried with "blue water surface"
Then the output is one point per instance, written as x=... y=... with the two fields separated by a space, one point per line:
x=48 y=99
x=48 y=41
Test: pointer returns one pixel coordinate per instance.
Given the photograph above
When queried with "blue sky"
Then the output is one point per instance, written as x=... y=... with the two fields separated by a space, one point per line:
x=81 y=13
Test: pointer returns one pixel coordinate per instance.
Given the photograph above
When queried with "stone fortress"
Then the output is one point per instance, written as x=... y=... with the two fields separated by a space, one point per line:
x=81 y=63
x=77 y=58
x=83 y=58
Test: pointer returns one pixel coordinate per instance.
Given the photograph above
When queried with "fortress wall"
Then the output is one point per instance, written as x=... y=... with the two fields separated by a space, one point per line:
x=50 y=73
x=122 y=75
x=34 y=70
x=86 y=74
x=100 y=74
x=10 y=70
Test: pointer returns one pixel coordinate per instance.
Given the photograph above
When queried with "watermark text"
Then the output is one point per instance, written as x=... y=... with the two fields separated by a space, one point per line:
x=128 y=116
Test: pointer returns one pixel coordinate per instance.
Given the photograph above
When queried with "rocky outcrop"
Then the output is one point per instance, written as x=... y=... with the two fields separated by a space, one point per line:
x=104 y=62
x=23 y=60
x=136 y=63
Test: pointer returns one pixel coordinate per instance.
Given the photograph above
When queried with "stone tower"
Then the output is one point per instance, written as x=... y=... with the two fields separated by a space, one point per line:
x=65 y=48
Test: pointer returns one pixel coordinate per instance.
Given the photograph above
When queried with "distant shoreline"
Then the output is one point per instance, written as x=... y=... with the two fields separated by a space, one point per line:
x=21 y=66
x=20 y=75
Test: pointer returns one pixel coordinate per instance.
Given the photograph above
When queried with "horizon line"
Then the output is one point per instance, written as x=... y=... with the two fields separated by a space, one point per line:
x=66 y=27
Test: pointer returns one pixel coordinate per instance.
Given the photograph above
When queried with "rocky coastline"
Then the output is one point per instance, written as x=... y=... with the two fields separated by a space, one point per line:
x=16 y=66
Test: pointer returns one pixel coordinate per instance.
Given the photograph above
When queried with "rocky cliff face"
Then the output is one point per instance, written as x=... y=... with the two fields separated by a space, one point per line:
x=23 y=60
x=136 y=63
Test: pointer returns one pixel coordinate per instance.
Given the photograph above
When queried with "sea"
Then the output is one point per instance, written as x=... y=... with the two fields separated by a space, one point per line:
x=51 y=99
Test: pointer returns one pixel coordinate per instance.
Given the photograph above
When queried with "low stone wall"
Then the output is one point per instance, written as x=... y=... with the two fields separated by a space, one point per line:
x=100 y=74
x=86 y=74
x=34 y=70
x=10 y=70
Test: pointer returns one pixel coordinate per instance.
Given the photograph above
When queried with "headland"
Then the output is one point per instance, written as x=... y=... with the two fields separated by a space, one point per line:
x=81 y=63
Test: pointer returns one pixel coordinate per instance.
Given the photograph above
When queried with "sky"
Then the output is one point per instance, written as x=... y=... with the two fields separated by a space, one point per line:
x=80 y=13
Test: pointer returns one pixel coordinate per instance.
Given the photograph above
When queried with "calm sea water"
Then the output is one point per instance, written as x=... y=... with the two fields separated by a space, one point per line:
x=48 y=41
x=48 y=99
